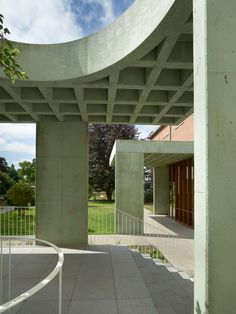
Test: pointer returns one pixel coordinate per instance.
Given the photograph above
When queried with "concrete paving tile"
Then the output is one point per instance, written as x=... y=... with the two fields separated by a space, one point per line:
x=180 y=306
x=136 y=306
x=39 y=258
x=121 y=256
x=93 y=307
x=96 y=258
x=94 y=288
x=39 y=307
x=17 y=287
x=29 y=270
x=125 y=269
x=96 y=270
x=166 y=309
x=50 y=292
x=73 y=258
x=15 y=258
x=130 y=288
x=99 y=248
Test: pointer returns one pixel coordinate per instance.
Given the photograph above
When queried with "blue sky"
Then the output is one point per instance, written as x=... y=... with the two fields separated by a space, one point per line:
x=51 y=21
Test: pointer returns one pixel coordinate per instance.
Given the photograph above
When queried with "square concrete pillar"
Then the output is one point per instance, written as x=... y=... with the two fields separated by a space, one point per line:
x=215 y=155
x=129 y=192
x=62 y=182
x=161 y=191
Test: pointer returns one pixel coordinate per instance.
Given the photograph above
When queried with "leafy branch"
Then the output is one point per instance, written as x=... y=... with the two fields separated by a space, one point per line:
x=8 y=56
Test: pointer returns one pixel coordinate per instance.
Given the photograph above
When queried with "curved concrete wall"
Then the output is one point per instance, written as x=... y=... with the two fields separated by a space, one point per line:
x=98 y=51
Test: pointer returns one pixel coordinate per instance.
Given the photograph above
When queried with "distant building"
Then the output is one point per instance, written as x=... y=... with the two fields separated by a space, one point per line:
x=181 y=173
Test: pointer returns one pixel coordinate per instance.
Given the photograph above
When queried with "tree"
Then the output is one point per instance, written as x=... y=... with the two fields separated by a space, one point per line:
x=148 y=185
x=13 y=173
x=101 y=141
x=27 y=171
x=8 y=56
x=3 y=164
x=20 y=194
x=5 y=182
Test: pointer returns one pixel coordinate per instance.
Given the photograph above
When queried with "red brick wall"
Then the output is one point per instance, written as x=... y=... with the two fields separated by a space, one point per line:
x=182 y=132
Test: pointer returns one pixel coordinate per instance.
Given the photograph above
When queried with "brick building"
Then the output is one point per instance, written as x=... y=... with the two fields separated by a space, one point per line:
x=181 y=174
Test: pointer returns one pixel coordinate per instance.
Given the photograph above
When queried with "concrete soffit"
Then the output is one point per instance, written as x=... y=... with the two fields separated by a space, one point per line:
x=138 y=70
x=156 y=153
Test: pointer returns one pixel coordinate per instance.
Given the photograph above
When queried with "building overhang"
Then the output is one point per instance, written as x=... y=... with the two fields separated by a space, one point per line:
x=156 y=153
x=138 y=70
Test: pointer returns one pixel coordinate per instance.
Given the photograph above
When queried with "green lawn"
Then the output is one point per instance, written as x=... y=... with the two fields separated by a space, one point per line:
x=149 y=207
x=18 y=222
x=100 y=217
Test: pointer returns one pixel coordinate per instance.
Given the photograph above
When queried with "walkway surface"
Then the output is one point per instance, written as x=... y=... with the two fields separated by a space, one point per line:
x=101 y=280
x=176 y=241
x=180 y=237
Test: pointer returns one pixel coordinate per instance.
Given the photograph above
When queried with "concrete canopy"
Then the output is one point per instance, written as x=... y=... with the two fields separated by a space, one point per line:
x=156 y=153
x=138 y=70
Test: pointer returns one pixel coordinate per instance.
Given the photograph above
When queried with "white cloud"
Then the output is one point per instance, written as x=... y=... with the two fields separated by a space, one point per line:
x=17 y=131
x=16 y=147
x=17 y=142
x=44 y=21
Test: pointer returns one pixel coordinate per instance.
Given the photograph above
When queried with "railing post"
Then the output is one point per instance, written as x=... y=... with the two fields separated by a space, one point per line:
x=60 y=292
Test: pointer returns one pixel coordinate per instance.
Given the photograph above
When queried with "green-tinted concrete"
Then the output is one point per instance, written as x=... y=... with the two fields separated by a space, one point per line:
x=156 y=153
x=215 y=152
x=161 y=191
x=137 y=70
x=129 y=192
x=129 y=158
x=62 y=182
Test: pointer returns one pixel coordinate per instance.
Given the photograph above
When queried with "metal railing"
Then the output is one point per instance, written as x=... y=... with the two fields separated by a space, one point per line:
x=105 y=226
x=8 y=247
x=17 y=221
x=119 y=227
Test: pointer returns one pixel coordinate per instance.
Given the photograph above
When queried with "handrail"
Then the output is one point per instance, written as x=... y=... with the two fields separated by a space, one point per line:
x=57 y=270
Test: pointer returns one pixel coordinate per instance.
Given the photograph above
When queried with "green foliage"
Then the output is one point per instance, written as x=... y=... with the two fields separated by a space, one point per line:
x=101 y=141
x=13 y=173
x=148 y=196
x=90 y=192
x=8 y=56
x=5 y=182
x=3 y=164
x=27 y=171
x=20 y=194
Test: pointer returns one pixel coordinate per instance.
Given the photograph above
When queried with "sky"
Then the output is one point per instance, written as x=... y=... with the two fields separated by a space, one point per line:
x=51 y=21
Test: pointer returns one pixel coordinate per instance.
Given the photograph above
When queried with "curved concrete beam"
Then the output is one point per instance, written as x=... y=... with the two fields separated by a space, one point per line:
x=132 y=71
x=98 y=51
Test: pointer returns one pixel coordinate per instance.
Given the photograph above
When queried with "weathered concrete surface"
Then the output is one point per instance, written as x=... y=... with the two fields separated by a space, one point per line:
x=138 y=70
x=61 y=182
x=129 y=192
x=215 y=151
x=156 y=153
x=161 y=191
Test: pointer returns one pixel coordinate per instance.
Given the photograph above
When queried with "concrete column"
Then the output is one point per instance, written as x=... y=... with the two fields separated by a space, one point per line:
x=129 y=192
x=62 y=182
x=161 y=191
x=215 y=155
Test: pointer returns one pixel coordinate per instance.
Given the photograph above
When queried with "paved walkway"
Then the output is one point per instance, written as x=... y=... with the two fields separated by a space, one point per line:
x=175 y=240
x=180 y=250
x=100 y=280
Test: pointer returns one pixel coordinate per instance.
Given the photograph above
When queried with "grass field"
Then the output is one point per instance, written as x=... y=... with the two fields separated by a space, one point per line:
x=149 y=207
x=100 y=217
x=22 y=222
x=18 y=222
